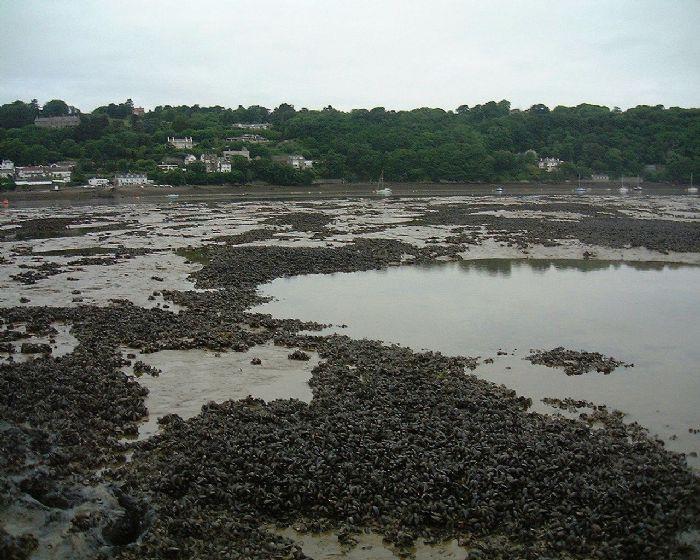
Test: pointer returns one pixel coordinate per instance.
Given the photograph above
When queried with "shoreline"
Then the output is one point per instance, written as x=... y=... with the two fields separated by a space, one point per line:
x=321 y=190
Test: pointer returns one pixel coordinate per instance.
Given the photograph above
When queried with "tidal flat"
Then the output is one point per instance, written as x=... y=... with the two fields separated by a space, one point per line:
x=351 y=377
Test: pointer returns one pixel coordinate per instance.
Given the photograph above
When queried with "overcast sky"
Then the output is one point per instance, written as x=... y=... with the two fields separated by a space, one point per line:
x=399 y=54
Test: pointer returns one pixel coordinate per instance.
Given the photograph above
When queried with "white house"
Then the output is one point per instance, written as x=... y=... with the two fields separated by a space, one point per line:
x=60 y=174
x=243 y=152
x=131 y=179
x=549 y=164
x=31 y=171
x=98 y=182
x=56 y=172
x=7 y=168
x=224 y=166
x=182 y=143
x=37 y=182
x=168 y=166
x=600 y=177
x=252 y=126
x=252 y=138
x=189 y=158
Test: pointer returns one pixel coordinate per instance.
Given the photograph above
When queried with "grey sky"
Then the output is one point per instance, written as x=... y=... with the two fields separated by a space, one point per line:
x=398 y=54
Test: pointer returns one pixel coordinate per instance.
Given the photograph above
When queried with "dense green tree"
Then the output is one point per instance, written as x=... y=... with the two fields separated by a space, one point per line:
x=7 y=184
x=116 y=111
x=488 y=142
x=56 y=108
x=17 y=114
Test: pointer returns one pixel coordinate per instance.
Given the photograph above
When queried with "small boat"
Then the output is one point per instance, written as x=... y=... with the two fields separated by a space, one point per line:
x=638 y=187
x=623 y=188
x=499 y=189
x=382 y=190
x=580 y=189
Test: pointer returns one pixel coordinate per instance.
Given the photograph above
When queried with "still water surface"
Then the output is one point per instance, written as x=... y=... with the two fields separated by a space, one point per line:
x=644 y=313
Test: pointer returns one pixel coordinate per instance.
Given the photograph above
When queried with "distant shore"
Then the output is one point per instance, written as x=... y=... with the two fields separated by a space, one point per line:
x=321 y=190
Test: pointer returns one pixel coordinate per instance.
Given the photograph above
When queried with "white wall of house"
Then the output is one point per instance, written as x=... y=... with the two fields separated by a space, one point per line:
x=123 y=180
x=98 y=182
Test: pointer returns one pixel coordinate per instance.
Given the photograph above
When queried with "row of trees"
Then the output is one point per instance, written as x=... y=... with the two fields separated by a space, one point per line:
x=489 y=142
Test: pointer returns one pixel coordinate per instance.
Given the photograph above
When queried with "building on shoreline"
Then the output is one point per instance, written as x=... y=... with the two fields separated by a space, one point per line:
x=549 y=164
x=600 y=177
x=98 y=182
x=60 y=174
x=181 y=143
x=296 y=161
x=57 y=172
x=57 y=122
x=30 y=171
x=34 y=182
x=7 y=168
x=127 y=179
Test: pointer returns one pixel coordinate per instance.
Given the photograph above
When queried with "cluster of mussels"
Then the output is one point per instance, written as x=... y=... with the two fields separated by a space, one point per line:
x=575 y=362
x=607 y=228
x=409 y=445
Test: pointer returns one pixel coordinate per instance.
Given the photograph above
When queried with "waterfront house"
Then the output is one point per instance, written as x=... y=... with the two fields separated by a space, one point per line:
x=98 y=182
x=127 y=179
x=7 y=168
x=296 y=161
x=549 y=164
x=30 y=171
x=61 y=174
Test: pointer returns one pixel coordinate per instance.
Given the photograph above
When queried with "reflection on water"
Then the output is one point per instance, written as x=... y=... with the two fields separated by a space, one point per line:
x=644 y=313
x=504 y=267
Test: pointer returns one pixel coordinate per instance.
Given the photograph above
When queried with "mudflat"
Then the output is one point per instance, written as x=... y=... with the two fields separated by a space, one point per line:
x=400 y=450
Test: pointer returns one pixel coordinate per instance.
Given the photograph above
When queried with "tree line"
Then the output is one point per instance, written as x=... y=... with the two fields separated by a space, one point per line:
x=490 y=142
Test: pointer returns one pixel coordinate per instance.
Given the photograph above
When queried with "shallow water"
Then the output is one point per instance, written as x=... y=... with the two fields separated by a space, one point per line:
x=190 y=379
x=644 y=313
x=370 y=546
